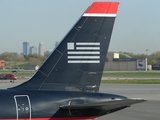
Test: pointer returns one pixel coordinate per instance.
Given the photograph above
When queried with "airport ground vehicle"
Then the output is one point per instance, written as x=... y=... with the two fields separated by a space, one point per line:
x=8 y=77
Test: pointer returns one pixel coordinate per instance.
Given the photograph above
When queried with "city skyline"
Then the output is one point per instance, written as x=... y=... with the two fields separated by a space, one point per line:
x=40 y=50
x=28 y=48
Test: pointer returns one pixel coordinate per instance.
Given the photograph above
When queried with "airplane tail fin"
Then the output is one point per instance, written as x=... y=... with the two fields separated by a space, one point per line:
x=78 y=61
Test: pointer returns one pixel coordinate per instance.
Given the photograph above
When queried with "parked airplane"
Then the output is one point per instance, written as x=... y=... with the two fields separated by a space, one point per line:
x=66 y=85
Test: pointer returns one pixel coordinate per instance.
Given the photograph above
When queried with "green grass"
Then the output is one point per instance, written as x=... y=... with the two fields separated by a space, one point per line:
x=28 y=74
x=19 y=73
x=16 y=64
x=132 y=74
x=143 y=81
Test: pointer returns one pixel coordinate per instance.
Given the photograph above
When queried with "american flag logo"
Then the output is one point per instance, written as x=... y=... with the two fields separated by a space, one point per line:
x=83 y=52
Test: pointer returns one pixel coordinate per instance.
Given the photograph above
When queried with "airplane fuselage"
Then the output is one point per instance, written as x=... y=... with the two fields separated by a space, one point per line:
x=33 y=105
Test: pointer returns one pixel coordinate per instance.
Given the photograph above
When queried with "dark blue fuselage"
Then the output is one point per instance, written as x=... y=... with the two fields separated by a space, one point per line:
x=46 y=104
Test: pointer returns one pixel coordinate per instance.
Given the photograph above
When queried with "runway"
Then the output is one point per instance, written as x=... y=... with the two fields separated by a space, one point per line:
x=149 y=110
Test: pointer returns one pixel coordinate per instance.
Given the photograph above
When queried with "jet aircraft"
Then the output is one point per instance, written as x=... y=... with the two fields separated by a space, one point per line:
x=66 y=85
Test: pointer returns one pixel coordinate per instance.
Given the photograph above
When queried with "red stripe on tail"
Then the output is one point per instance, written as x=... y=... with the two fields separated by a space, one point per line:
x=103 y=8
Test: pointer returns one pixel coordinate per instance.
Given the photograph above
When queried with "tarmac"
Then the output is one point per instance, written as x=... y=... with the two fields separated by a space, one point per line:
x=149 y=110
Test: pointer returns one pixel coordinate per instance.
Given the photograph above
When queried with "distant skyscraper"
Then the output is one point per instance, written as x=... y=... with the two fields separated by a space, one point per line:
x=25 y=48
x=15 y=53
x=56 y=44
x=47 y=52
x=41 y=48
x=33 y=50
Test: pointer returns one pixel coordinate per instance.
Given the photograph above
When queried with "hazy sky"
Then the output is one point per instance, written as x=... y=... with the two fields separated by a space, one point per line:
x=137 y=26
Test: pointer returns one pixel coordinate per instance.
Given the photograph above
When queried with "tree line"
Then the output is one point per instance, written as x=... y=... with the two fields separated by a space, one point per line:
x=18 y=61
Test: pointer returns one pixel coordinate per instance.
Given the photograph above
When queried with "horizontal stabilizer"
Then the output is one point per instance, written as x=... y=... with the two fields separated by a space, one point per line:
x=108 y=105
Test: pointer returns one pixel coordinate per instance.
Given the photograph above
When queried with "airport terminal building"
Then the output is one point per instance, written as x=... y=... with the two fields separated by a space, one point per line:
x=114 y=63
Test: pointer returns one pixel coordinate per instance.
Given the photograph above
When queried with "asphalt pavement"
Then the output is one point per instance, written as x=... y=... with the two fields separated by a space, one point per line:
x=149 y=110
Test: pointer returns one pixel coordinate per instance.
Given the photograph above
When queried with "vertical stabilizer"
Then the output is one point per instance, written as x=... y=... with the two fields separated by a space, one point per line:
x=78 y=61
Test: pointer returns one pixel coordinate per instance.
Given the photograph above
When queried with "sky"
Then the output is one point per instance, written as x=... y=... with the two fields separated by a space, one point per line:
x=136 y=29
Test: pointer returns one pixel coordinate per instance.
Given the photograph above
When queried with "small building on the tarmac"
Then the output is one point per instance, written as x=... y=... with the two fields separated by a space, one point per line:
x=114 y=63
x=31 y=67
